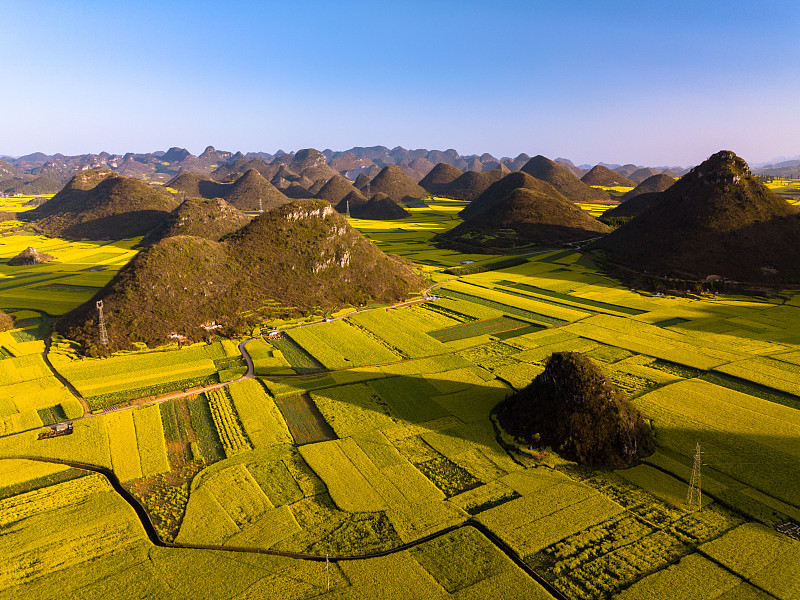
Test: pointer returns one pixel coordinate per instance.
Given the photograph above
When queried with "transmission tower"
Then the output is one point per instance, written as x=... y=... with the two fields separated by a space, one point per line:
x=102 y=324
x=368 y=189
x=694 y=495
x=260 y=206
x=348 y=208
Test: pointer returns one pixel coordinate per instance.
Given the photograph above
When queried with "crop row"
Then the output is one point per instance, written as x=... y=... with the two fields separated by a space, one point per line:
x=233 y=438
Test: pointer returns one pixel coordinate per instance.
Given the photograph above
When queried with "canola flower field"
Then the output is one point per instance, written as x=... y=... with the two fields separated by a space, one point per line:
x=361 y=434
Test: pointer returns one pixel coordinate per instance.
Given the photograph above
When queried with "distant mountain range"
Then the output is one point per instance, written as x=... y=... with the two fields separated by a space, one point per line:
x=40 y=173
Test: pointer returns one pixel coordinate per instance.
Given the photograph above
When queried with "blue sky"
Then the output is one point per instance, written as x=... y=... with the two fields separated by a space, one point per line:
x=648 y=82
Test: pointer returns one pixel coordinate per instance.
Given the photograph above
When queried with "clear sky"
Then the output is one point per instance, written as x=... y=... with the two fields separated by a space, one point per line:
x=649 y=82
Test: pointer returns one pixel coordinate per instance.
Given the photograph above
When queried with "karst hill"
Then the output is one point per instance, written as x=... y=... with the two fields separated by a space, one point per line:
x=250 y=191
x=297 y=259
x=717 y=220
x=437 y=179
x=101 y=205
x=565 y=182
x=211 y=219
x=380 y=207
x=603 y=176
x=651 y=185
x=524 y=217
x=573 y=408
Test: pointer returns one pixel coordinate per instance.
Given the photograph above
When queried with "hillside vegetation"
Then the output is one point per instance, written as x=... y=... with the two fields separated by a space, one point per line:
x=101 y=205
x=718 y=220
x=573 y=407
x=298 y=259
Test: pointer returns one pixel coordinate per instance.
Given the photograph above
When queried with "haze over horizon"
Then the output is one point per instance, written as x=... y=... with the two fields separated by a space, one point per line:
x=649 y=83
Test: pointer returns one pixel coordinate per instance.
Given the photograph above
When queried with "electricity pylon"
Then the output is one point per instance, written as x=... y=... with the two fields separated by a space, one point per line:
x=695 y=495
x=102 y=323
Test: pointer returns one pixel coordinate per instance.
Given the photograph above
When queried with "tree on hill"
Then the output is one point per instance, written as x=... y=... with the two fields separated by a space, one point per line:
x=575 y=409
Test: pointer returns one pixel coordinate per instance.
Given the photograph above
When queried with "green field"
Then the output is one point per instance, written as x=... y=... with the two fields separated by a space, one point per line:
x=361 y=434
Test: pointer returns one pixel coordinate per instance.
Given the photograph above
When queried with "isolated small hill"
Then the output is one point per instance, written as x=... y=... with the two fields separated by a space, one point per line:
x=29 y=256
x=470 y=185
x=379 y=207
x=6 y=321
x=718 y=219
x=524 y=217
x=574 y=408
x=200 y=217
x=639 y=175
x=499 y=190
x=335 y=189
x=101 y=205
x=437 y=178
x=396 y=184
x=304 y=257
x=253 y=192
x=654 y=183
x=565 y=182
x=600 y=175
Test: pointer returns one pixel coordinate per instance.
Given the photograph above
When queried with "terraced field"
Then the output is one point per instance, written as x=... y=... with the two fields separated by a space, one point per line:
x=359 y=435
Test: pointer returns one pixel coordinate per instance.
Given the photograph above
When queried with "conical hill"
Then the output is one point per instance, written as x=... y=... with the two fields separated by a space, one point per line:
x=253 y=192
x=98 y=204
x=380 y=207
x=193 y=184
x=560 y=178
x=437 y=178
x=525 y=217
x=200 y=217
x=335 y=189
x=470 y=184
x=718 y=219
x=396 y=184
x=654 y=183
x=502 y=188
x=297 y=259
x=600 y=175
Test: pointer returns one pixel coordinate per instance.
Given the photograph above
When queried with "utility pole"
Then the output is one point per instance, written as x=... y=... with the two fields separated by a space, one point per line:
x=328 y=571
x=102 y=324
x=694 y=495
